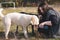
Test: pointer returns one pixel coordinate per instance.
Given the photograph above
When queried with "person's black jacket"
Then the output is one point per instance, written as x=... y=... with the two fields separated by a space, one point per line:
x=53 y=16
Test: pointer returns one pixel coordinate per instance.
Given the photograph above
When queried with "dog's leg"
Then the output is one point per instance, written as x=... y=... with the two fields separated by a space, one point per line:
x=36 y=32
x=33 y=30
x=16 y=30
x=25 y=32
x=7 y=24
x=7 y=31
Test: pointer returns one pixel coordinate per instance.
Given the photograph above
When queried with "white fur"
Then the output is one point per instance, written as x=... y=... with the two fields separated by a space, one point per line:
x=19 y=19
x=1 y=15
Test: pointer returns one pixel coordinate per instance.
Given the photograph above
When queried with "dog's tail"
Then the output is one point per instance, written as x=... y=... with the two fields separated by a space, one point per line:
x=1 y=15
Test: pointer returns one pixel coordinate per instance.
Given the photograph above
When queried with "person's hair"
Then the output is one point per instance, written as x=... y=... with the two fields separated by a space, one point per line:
x=41 y=5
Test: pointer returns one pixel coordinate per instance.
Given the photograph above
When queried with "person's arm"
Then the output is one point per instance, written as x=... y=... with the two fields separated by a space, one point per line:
x=47 y=23
x=52 y=22
x=54 y=19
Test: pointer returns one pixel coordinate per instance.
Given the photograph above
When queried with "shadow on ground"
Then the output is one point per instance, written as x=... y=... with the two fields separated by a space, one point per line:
x=20 y=36
x=13 y=35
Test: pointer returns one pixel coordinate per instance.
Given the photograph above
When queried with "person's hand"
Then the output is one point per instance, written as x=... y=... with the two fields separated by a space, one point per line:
x=42 y=25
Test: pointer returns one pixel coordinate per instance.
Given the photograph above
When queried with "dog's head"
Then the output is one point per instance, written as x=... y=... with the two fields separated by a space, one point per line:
x=34 y=20
x=35 y=23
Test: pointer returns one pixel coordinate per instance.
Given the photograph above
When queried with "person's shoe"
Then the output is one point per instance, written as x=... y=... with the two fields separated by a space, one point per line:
x=56 y=36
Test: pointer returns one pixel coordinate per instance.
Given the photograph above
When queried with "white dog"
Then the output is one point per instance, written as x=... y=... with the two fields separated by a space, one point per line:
x=19 y=19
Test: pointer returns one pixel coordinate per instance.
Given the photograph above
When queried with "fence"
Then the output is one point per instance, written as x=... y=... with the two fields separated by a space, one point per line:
x=7 y=4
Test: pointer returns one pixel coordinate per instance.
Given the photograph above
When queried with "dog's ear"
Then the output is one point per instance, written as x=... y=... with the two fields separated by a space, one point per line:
x=32 y=20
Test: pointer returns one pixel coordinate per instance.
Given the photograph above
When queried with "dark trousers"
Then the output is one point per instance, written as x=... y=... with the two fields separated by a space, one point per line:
x=55 y=29
x=46 y=31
